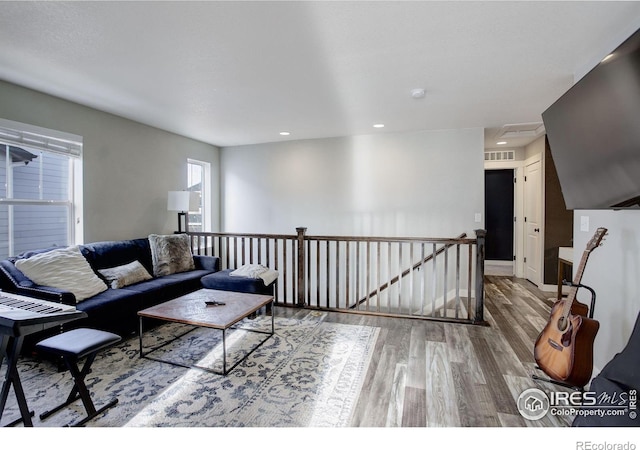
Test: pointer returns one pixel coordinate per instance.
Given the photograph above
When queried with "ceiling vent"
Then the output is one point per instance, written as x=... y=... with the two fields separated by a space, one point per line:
x=500 y=155
x=521 y=130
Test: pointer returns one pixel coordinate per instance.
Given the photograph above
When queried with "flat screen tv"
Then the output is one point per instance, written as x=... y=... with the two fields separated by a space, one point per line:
x=594 y=133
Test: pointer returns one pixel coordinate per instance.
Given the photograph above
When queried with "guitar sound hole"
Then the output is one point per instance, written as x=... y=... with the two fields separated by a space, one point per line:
x=562 y=324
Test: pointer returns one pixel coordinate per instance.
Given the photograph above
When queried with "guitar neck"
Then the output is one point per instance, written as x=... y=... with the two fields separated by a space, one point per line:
x=591 y=245
x=578 y=277
x=576 y=280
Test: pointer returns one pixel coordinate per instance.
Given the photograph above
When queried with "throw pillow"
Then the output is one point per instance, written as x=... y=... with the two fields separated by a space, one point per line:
x=64 y=269
x=170 y=254
x=121 y=276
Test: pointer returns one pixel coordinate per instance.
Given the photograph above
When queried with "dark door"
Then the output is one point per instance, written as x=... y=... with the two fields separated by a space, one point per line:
x=498 y=204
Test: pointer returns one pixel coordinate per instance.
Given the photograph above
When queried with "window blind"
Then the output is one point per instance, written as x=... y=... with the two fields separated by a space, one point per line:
x=23 y=135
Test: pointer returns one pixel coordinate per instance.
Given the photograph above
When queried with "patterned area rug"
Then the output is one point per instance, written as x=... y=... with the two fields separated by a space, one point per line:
x=309 y=374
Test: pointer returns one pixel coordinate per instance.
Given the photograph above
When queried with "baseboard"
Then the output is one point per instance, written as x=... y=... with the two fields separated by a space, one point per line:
x=549 y=288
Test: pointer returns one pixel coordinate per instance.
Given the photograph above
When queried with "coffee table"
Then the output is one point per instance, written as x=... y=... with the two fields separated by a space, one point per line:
x=191 y=309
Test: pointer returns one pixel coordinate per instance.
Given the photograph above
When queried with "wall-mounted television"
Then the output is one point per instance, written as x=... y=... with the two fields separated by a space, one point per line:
x=594 y=133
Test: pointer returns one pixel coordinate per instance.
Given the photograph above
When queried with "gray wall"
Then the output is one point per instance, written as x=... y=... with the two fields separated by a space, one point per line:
x=426 y=184
x=128 y=167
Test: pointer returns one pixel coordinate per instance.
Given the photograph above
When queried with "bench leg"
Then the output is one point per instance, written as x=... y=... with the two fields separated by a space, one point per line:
x=80 y=391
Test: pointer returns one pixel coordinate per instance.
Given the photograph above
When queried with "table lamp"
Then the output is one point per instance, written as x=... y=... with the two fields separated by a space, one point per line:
x=183 y=202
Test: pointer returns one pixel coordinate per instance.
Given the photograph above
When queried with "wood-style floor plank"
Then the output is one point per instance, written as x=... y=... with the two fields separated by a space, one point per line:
x=414 y=412
x=442 y=410
x=461 y=350
x=374 y=413
x=396 y=401
x=416 y=374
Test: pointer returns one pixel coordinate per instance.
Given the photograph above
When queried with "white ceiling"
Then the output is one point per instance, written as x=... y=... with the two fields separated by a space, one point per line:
x=236 y=72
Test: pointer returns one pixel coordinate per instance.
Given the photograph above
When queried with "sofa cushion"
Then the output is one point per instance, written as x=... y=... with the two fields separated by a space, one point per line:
x=113 y=310
x=165 y=288
x=170 y=254
x=117 y=300
x=65 y=269
x=107 y=254
x=121 y=276
x=209 y=263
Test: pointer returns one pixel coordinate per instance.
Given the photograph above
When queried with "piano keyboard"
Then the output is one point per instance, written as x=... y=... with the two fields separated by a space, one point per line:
x=32 y=305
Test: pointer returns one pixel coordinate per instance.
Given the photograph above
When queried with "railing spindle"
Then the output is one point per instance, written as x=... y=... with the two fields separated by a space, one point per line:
x=348 y=266
x=434 y=283
x=458 y=281
x=422 y=279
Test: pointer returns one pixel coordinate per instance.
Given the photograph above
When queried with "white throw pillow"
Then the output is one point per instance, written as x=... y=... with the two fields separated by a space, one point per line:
x=121 y=276
x=64 y=269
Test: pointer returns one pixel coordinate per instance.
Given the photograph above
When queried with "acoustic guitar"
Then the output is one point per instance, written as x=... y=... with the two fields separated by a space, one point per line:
x=564 y=348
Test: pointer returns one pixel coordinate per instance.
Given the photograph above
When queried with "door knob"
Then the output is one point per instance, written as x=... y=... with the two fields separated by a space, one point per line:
x=537 y=230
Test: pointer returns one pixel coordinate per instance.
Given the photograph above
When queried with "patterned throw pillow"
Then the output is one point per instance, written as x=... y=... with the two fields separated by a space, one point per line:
x=170 y=254
x=64 y=269
x=121 y=276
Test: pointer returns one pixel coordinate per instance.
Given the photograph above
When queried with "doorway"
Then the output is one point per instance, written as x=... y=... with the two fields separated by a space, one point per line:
x=499 y=216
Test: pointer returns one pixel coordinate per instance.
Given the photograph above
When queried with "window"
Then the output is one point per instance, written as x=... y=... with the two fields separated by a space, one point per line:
x=39 y=172
x=198 y=176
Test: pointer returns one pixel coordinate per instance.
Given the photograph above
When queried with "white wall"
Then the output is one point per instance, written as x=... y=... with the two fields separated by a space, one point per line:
x=128 y=167
x=426 y=184
x=613 y=271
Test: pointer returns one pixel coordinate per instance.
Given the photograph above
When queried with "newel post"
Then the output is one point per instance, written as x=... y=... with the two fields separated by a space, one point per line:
x=480 y=250
x=301 y=266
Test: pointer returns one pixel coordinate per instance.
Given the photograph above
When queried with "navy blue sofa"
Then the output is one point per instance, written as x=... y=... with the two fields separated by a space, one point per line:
x=113 y=310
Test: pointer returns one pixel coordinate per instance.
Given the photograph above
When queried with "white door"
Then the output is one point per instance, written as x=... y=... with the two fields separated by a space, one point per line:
x=533 y=219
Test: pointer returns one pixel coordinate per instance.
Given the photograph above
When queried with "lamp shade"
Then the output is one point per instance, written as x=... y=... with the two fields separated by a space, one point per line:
x=183 y=201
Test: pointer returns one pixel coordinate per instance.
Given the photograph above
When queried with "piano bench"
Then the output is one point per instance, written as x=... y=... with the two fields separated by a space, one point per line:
x=72 y=346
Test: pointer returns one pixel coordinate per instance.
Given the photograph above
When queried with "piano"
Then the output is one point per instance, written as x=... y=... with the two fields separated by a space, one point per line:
x=19 y=317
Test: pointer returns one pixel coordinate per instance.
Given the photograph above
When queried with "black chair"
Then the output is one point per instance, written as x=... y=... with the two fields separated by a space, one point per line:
x=72 y=346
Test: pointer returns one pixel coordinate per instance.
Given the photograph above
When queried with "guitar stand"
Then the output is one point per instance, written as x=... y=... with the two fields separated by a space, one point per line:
x=593 y=294
x=591 y=308
x=556 y=382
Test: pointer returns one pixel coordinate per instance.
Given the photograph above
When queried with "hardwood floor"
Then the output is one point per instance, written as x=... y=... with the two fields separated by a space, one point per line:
x=438 y=374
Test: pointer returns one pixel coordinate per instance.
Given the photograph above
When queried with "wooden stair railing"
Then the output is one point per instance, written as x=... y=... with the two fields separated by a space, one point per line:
x=406 y=272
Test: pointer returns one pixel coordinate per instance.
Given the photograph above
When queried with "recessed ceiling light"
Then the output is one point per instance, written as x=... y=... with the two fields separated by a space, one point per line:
x=284 y=133
x=501 y=143
x=378 y=125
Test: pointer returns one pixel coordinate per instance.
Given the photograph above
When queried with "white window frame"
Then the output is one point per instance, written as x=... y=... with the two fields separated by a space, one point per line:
x=206 y=191
x=50 y=141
